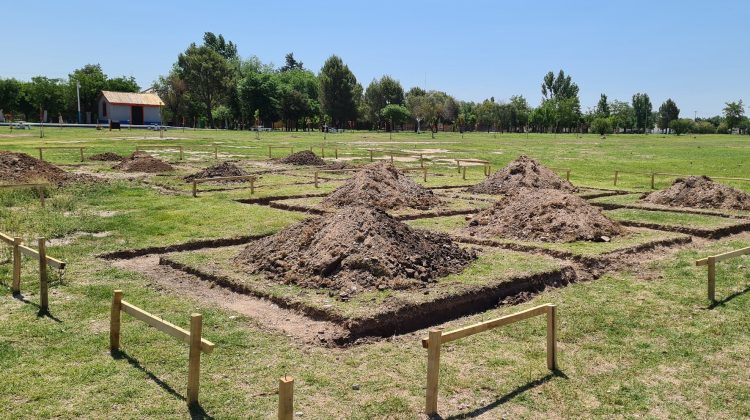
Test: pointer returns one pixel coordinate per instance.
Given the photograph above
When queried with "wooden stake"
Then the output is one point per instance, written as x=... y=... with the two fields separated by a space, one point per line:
x=181 y=153
x=336 y=153
x=194 y=359
x=433 y=371
x=391 y=158
x=40 y=189
x=552 y=337
x=286 y=398
x=653 y=175
x=40 y=153
x=81 y=154
x=216 y=152
x=316 y=179
x=458 y=165
x=370 y=155
x=269 y=152
x=616 y=173
x=252 y=186
x=16 y=288
x=43 y=280
x=195 y=188
x=464 y=172
x=424 y=174
x=114 y=321
x=712 y=279
x=567 y=175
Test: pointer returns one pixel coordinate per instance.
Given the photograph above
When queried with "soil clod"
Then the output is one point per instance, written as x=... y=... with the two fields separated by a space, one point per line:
x=544 y=215
x=305 y=157
x=699 y=192
x=143 y=162
x=523 y=172
x=223 y=169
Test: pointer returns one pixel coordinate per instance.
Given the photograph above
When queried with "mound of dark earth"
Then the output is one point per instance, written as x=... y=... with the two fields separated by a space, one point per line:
x=221 y=170
x=304 y=157
x=352 y=250
x=106 y=157
x=18 y=168
x=699 y=192
x=532 y=214
x=523 y=172
x=383 y=186
x=143 y=162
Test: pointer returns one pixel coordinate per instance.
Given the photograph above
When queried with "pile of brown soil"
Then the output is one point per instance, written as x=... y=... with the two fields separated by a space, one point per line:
x=106 y=157
x=220 y=170
x=304 y=157
x=355 y=249
x=143 y=162
x=21 y=168
x=699 y=192
x=382 y=185
x=532 y=214
x=520 y=173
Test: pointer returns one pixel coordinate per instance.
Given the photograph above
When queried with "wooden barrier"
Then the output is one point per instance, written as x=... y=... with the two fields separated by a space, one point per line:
x=192 y=337
x=566 y=170
x=286 y=398
x=19 y=249
x=711 y=263
x=60 y=148
x=653 y=176
x=38 y=186
x=436 y=338
x=162 y=146
x=485 y=163
x=251 y=178
x=291 y=149
x=391 y=154
x=649 y=174
x=323 y=151
x=317 y=178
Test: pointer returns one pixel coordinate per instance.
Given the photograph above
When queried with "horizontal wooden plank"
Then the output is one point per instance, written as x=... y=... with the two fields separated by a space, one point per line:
x=225 y=178
x=725 y=256
x=7 y=239
x=160 y=146
x=488 y=325
x=473 y=160
x=62 y=147
x=33 y=253
x=164 y=326
x=24 y=185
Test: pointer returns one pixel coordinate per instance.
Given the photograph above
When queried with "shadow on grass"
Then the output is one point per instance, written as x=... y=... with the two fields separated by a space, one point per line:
x=196 y=411
x=728 y=298
x=507 y=397
x=41 y=313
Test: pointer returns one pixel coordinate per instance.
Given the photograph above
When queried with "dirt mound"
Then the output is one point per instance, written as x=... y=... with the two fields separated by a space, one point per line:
x=382 y=185
x=20 y=168
x=143 y=162
x=304 y=157
x=533 y=214
x=338 y=165
x=520 y=173
x=220 y=170
x=106 y=157
x=699 y=192
x=355 y=249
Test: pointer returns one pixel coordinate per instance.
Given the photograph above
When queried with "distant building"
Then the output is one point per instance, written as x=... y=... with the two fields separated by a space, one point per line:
x=129 y=108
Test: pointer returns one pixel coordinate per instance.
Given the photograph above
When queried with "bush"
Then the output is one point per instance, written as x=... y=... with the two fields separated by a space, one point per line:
x=602 y=126
x=704 y=127
x=681 y=126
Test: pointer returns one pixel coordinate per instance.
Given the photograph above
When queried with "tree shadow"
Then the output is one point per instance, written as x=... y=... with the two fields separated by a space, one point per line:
x=41 y=313
x=506 y=398
x=196 y=411
x=722 y=302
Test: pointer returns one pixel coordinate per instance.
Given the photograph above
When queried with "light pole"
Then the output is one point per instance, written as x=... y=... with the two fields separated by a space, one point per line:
x=78 y=95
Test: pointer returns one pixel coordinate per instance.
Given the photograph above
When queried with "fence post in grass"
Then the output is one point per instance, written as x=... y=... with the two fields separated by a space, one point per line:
x=81 y=154
x=194 y=361
x=371 y=156
x=616 y=173
x=43 y=280
x=40 y=153
x=424 y=174
x=195 y=188
x=181 y=154
x=712 y=279
x=114 y=321
x=552 y=337
x=316 y=179
x=16 y=287
x=216 y=152
x=567 y=175
x=391 y=158
x=322 y=152
x=336 y=153
x=40 y=189
x=252 y=186
x=421 y=161
x=433 y=370
x=458 y=165
x=464 y=176
x=286 y=398
x=269 y=152
x=653 y=175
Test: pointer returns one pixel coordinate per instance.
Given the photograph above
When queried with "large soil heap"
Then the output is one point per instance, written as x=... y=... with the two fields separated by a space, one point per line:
x=143 y=162
x=520 y=173
x=699 y=192
x=221 y=170
x=382 y=185
x=304 y=157
x=20 y=168
x=107 y=157
x=544 y=215
x=355 y=249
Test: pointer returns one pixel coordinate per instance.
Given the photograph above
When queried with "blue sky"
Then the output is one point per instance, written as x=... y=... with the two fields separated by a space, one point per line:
x=694 y=52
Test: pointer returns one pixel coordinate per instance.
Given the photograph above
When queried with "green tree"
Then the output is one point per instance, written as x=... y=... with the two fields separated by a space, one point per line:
x=92 y=80
x=291 y=63
x=733 y=113
x=380 y=93
x=602 y=125
x=394 y=115
x=643 y=113
x=260 y=92
x=602 y=107
x=172 y=91
x=10 y=95
x=682 y=126
x=417 y=104
x=560 y=87
x=299 y=90
x=122 y=84
x=207 y=76
x=521 y=111
x=623 y=114
x=223 y=115
x=45 y=94
x=338 y=91
x=668 y=112
x=226 y=49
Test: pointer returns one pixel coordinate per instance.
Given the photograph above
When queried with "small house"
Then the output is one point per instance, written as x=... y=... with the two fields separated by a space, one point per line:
x=129 y=108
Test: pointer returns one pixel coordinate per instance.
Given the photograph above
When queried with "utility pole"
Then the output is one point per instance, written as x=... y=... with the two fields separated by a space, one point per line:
x=78 y=95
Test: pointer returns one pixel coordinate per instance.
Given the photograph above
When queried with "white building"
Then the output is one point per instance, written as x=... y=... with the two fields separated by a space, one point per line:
x=129 y=108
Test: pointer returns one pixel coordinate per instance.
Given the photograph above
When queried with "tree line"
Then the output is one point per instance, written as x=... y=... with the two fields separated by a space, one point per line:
x=209 y=85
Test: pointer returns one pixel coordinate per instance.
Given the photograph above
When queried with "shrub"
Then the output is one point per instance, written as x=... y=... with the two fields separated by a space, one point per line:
x=704 y=127
x=681 y=126
x=602 y=125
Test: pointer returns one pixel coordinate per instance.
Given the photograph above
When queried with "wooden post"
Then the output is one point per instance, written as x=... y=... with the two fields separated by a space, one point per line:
x=181 y=154
x=464 y=173
x=194 y=359
x=391 y=158
x=616 y=173
x=216 y=152
x=433 y=370
x=424 y=174
x=252 y=186
x=286 y=398
x=458 y=165
x=195 y=189
x=421 y=161
x=322 y=152
x=114 y=321
x=371 y=156
x=81 y=154
x=336 y=153
x=269 y=152
x=653 y=175
x=316 y=179
x=552 y=338
x=567 y=175
x=40 y=189
x=16 y=288
x=712 y=279
x=43 y=281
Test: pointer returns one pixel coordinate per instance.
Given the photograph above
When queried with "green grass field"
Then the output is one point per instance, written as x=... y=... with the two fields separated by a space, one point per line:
x=636 y=343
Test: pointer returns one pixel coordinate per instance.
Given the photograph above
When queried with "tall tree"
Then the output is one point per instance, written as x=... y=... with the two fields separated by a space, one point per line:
x=10 y=95
x=207 y=76
x=92 y=80
x=380 y=93
x=291 y=63
x=643 y=111
x=338 y=91
x=226 y=49
x=172 y=91
x=45 y=94
x=623 y=115
x=560 y=87
x=668 y=112
x=733 y=113
x=416 y=102
x=260 y=92
x=602 y=107
x=122 y=84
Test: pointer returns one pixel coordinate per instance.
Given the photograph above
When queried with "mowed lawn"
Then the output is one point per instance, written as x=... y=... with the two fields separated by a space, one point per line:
x=636 y=343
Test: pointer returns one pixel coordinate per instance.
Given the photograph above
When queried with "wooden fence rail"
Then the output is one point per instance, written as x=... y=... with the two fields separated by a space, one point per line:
x=19 y=249
x=711 y=263
x=251 y=178
x=436 y=338
x=79 y=148
x=391 y=154
x=192 y=337
x=291 y=149
x=485 y=163
x=39 y=187
x=653 y=176
x=323 y=151
x=139 y=148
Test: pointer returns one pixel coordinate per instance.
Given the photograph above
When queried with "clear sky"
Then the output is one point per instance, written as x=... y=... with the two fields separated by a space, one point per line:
x=695 y=52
